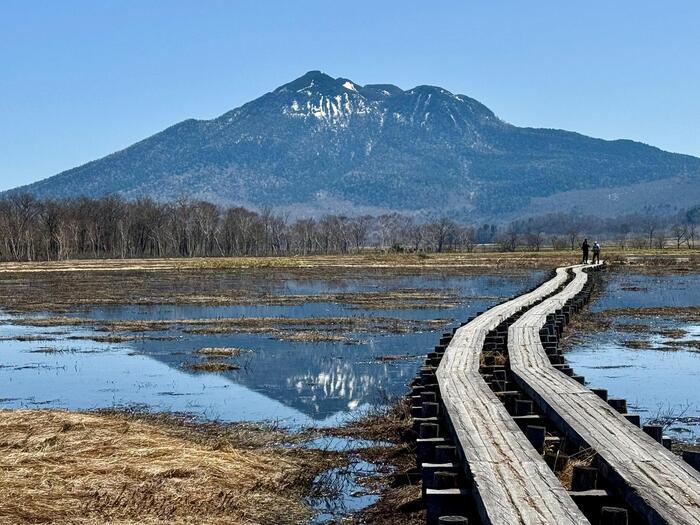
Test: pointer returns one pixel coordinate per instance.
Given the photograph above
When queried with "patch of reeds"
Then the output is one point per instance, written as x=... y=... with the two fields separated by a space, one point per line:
x=689 y=313
x=637 y=344
x=400 y=502
x=391 y=358
x=583 y=458
x=313 y=336
x=387 y=423
x=28 y=338
x=500 y=358
x=111 y=338
x=672 y=333
x=222 y=351
x=398 y=506
x=62 y=467
x=693 y=344
x=212 y=366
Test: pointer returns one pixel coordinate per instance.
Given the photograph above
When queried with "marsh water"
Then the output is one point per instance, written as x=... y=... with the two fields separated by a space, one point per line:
x=296 y=383
x=653 y=361
x=323 y=383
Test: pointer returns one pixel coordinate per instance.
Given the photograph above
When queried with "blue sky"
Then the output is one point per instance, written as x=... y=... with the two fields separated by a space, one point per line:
x=81 y=79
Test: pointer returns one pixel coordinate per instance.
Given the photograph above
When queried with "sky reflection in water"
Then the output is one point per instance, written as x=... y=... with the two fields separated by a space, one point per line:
x=298 y=384
x=656 y=381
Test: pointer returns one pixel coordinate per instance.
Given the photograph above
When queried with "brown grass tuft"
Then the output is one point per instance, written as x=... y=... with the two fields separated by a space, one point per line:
x=637 y=344
x=500 y=358
x=212 y=366
x=222 y=352
x=583 y=458
x=71 y=468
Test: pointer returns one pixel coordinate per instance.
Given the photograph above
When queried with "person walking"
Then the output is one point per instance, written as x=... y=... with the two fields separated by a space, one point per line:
x=596 y=252
x=584 y=250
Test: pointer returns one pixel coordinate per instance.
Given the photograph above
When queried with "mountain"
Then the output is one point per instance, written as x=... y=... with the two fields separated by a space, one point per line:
x=321 y=144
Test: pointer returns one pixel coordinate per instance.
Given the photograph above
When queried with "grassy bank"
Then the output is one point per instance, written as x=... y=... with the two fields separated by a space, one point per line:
x=367 y=260
x=115 y=468
x=63 y=286
x=139 y=468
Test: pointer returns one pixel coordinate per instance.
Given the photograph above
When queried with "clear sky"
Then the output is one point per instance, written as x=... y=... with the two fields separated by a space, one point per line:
x=81 y=79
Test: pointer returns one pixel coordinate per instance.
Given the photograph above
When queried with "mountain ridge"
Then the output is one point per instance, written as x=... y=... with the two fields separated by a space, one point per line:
x=319 y=143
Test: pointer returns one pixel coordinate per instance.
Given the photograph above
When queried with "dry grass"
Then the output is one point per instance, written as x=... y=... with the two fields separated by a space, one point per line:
x=672 y=333
x=58 y=350
x=398 y=506
x=309 y=329
x=63 y=286
x=672 y=312
x=367 y=260
x=632 y=328
x=500 y=358
x=693 y=344
x=222 y=352
x=313 y=336
x=387 y=424
x=581 y=459
x=69 y=468
x=393 y=357
x=400 y=503
x=112 y=338
x=637 y=344
x=212 y=366
x=587 y=322
x=28 y=338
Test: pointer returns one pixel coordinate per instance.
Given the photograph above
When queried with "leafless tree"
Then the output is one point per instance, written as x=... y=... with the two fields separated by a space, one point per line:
x=573 y=237
x=441 y=233
x=680 y=232
x=534 y=240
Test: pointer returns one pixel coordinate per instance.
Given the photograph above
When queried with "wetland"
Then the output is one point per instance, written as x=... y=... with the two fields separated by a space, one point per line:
x=295 y=367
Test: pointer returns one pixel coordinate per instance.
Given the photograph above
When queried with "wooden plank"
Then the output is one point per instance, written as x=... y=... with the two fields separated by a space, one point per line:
x=654 y=481
x=512 y=483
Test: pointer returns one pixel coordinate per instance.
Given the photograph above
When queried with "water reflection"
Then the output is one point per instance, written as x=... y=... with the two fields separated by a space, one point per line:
x=297 y=383
x=654 y=365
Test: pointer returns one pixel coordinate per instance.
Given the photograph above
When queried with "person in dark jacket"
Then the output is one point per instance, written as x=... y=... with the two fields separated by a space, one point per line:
x=584 y=249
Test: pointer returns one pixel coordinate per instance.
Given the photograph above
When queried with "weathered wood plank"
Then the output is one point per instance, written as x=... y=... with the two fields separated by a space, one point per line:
x=512 y=483
x=654 y=481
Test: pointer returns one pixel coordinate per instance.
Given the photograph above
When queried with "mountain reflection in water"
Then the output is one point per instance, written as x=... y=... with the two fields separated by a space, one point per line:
x=297 y=383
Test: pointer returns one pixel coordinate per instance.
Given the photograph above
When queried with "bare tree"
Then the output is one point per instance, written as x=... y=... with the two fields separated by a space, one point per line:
x=649 y=225
x=573 y=237
x=534 y=240
x=359 y=228
x=441 y=232
x=690 y=237
x=31 y=229
x=558 y=243
x=509 y=240
x=680 y=232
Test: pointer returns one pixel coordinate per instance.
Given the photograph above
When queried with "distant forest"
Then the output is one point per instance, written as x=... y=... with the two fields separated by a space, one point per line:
x=110 y=227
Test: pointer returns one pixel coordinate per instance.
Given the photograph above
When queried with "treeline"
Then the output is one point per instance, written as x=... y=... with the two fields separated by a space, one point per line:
x=110 y=227
x=647 y=229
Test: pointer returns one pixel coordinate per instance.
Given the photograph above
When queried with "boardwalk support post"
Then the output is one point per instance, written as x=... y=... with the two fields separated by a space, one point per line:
x=613 y=516
x=584 y=478
x=536 y=435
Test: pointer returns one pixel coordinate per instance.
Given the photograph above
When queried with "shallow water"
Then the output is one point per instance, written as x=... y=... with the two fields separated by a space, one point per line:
x=295 y=383
x=659 y=382
x=349 y=494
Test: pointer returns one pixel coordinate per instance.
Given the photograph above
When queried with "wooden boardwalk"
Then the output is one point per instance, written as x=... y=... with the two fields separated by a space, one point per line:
x=512 y=483
x=655 y=482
